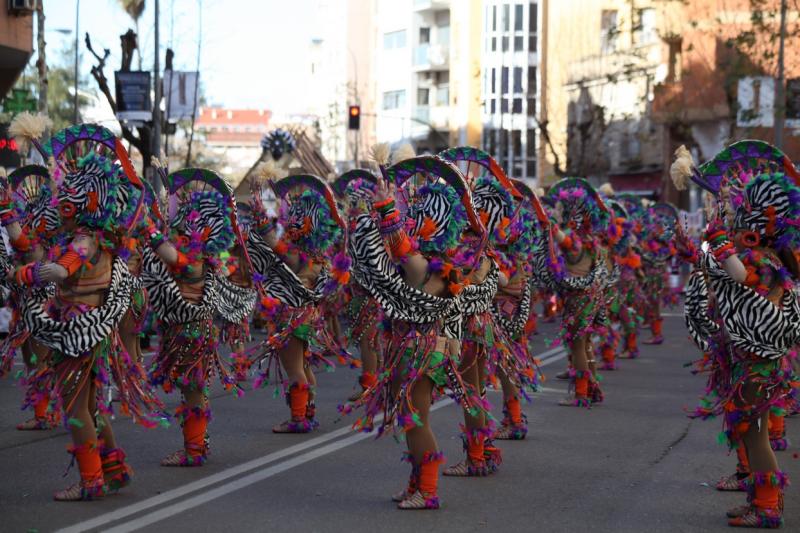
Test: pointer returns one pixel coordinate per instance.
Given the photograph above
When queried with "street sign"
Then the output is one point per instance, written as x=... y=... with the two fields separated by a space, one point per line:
x=133 y=95
x=19 y=101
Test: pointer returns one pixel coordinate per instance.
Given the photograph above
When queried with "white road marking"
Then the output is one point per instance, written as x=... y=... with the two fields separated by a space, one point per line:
x=548 y=357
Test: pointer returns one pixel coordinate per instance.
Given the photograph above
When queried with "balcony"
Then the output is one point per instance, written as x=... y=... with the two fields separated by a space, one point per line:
x=436 y=117
x=421 y=6
x=431 y=57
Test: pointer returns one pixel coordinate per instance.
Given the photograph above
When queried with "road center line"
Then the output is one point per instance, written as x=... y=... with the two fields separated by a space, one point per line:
x=550 y=356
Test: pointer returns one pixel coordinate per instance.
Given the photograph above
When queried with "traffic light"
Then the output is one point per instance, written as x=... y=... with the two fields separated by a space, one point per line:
x=354 y=117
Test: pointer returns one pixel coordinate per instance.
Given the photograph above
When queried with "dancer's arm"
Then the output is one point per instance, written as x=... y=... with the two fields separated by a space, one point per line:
x=724 y=251
x=82 y=247
x=394 y=235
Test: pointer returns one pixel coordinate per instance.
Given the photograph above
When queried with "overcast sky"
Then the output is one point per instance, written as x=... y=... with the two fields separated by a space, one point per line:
x=254 y=53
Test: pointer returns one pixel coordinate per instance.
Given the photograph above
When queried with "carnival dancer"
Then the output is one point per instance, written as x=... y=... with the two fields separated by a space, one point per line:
x=623 y=294
x=657 y=249
x=750 y=273
x=181 y=273
x=420 y=291
x=297 y=271
x=31 y=203
x=579 y=274
x=356 y=188
x=236 y=285
x=99 y=199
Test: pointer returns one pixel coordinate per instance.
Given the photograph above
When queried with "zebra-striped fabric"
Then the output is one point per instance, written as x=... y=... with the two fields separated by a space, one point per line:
x=698 y=312
x=78 y=335
x=480 y=299
x=165 y=297
x=235 y=304
x=374 y=270
x=751 y=322
x=514 y=324
x=278 y=280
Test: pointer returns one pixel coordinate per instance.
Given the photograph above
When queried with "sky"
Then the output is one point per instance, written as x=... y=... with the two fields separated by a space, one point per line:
x=254 y=53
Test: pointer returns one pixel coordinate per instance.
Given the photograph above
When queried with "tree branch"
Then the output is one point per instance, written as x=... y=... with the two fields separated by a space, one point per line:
x=546 y=136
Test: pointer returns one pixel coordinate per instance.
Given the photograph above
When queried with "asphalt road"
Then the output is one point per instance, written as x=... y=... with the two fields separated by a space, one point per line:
x=635 y=463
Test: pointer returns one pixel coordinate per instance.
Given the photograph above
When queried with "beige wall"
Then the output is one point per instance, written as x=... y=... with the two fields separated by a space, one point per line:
x=466 y=40
x=571 y=40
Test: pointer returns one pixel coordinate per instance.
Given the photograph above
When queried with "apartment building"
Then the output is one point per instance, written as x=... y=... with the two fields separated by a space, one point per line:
x=510 y=68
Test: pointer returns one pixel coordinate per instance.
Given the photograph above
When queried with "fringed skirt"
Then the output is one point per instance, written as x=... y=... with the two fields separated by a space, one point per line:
x=105 y=364
x=413 y=352
x=743 y=387
x=308 y=325
x=188 y=357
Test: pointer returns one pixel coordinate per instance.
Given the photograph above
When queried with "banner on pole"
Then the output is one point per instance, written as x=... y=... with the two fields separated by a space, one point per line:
x=180 y=90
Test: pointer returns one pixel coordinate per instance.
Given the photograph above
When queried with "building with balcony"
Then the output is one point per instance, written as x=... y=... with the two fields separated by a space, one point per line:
x=427 y=72
x=511 y=101
x=16 y=44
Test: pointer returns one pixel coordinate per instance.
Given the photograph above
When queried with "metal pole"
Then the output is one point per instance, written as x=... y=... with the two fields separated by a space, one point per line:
x=780 y=93
x=75 y=117
x=157 y=102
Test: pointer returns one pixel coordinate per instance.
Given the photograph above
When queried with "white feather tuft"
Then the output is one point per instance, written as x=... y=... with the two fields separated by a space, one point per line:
x=607 y=189
x=27 y=126
x=682 y=168
x=380 y=154
x=403 y=152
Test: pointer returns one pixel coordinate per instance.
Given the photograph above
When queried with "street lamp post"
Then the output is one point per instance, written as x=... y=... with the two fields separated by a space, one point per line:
x=77 y=34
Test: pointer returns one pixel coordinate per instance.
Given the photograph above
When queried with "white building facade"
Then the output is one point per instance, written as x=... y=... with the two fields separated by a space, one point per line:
x=510 y=69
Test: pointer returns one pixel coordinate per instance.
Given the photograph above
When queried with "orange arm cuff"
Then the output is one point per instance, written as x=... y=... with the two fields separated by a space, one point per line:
x=71 y=261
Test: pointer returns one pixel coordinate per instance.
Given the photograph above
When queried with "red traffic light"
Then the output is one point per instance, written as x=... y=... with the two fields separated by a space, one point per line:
x=354 y=117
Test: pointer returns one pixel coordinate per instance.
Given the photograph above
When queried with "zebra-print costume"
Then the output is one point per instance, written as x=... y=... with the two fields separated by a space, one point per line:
x=165 y=297
x=278 y=280
x=514 y=323
x=234 y=304
x=697 y=314
x=749 y=321
x=376 y=273
x=75 y=337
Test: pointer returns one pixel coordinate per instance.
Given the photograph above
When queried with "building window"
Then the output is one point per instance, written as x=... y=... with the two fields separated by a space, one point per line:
x=533 y=14
x=516 y=143
x=503 y=143
x=531 y=80
x=493 y=106
x=504 y=105
x=531 y=107
x=609 y=31
x=532 y=46
x=504 y=40
x=504 y=80
x=424 y=35
x=516 y=105
x=494 y=80
x=494 y=18
x=494 y=44
x=517 y=79
x=443 y=95
x=423 y=96
x=519 y=43
x=530 y=143
x=506 y=16
x=530 y=168
x=394 y=39
x=394 y=99
x=645 y=31
x=518 y=17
